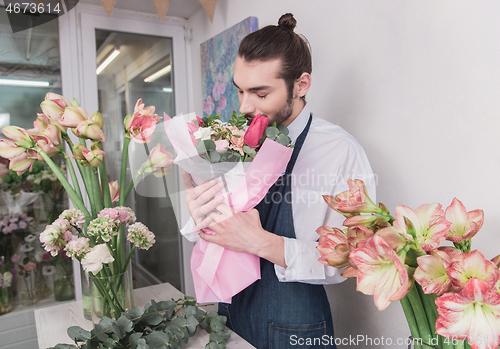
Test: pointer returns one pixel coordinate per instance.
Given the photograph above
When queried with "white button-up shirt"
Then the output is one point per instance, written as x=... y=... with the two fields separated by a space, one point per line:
x=328 y=157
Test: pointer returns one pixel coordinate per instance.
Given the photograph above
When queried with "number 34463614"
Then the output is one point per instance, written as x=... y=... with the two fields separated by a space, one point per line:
x=32 y=7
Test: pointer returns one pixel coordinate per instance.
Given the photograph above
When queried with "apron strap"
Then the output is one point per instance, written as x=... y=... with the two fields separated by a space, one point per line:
x=298 y=145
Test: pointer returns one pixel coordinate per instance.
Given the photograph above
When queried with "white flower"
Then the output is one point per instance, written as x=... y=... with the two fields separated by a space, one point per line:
x=203 y=133
x=7 y=279
x=30 y=238
x=140 y=236
x=48 y=270
x=77 y=248
x=74 y=216
x=93 y=261
x=26 y=248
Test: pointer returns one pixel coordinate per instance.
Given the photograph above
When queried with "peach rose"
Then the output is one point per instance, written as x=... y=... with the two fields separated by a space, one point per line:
x=237 y=143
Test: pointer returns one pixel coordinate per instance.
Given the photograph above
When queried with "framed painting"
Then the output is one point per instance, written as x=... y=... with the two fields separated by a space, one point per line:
x=217 y=66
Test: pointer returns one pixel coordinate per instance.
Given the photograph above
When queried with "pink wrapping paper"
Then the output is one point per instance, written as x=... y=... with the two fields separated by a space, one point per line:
x=219 y=273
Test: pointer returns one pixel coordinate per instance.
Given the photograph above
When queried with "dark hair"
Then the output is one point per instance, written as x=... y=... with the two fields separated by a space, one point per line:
x=279 y=42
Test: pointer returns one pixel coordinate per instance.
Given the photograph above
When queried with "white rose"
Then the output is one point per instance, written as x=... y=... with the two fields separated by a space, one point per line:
x=203 y=133
x=99 y=254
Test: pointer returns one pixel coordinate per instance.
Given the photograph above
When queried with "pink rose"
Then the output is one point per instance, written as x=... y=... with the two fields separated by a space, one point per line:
x=221 y=146
x=256 y=130
x=29 y=266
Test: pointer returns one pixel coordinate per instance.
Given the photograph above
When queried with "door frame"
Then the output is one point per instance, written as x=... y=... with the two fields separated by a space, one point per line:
x=78 y=66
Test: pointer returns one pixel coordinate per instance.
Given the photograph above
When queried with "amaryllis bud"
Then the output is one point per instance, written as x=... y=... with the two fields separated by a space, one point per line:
x=90 y=129
x=73 y=116
x=94 y=157
x=53 y=106
x=97 y=117
x=21 y=163
x=114 y=189
x=78 y=149
x=256 y=130
x=17 y=134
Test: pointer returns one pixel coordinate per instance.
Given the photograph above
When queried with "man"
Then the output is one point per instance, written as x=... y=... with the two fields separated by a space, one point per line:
x=288 y=306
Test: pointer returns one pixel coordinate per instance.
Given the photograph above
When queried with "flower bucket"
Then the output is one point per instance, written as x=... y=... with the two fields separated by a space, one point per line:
x=6 y=302
x=111 y=295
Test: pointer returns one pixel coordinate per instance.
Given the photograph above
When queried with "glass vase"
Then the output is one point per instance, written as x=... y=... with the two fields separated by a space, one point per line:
x=6 y=302
x=27 y=287
x=110 y=295
x=64 y=288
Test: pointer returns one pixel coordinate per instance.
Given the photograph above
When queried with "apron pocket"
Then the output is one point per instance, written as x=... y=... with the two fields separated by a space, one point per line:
x=304 y=336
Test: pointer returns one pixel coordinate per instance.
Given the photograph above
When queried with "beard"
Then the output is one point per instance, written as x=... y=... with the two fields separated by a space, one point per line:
x=283 y=113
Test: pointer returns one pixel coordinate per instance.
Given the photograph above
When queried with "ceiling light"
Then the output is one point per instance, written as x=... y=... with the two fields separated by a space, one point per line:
x=167 y=89
x=159 y=73
x=108 y=60
x=24 y=83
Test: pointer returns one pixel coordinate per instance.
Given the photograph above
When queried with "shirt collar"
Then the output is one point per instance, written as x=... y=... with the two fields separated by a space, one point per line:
x=298 y=125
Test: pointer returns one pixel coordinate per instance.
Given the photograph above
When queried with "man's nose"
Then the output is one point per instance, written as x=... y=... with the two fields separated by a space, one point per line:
x=246 y=106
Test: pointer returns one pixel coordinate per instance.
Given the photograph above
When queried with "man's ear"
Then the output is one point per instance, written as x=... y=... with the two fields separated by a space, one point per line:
x=302 y=85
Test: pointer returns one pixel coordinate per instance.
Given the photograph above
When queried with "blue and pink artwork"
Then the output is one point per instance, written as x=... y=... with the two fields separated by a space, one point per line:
x=217 y=67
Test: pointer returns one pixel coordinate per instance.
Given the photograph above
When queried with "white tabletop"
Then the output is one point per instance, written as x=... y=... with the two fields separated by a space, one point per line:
x=52 y=322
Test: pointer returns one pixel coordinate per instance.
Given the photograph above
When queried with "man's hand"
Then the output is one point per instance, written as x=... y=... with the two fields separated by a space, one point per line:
x=200 y=199
x=237 y=231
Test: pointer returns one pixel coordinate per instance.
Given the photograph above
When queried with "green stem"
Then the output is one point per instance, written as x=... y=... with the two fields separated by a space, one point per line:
x=123 y=171
x=430 y=307
x=87 y=181
x=121 y=238
x=106 y=194
x=96 y=190
x=60 y=176
x=131 y=186
x=410 y=319
x=105 y=294
x=420 y=317
x=72 y=174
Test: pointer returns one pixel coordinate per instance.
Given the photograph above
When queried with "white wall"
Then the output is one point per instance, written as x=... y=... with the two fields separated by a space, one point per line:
x=418 y=84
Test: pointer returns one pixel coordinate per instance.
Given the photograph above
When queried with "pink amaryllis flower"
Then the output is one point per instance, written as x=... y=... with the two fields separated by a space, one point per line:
x=380 y=272
x=21 y=163
x=94 y=157
x=53 y=106
x=159 y=163
x=356 y=199
x=431 y=272
x=358 y=235
x=471 y=265
x=428 y=221
x=9 y=150
x=141 y=125
x=464 y=225
x=333 y=247
x=472 y=314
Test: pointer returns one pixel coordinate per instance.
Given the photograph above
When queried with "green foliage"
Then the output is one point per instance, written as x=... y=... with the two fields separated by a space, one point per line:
x=279 y=134
x=162 y=325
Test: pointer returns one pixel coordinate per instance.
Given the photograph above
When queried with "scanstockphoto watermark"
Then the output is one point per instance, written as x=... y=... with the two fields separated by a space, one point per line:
x=359 y=341
x=25 y=15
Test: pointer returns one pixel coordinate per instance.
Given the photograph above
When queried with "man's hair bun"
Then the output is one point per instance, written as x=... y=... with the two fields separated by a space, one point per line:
x=287 y=21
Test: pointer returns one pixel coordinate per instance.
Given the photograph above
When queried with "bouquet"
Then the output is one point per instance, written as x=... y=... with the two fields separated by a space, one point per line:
x=450 y=294
x=250 y=158
x=96 y=236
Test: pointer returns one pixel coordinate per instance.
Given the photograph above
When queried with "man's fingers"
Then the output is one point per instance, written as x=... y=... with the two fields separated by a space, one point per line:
x=206 y=191
x=210 y=206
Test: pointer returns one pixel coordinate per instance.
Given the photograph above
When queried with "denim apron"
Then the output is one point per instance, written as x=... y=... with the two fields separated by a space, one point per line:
x=276 y=315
